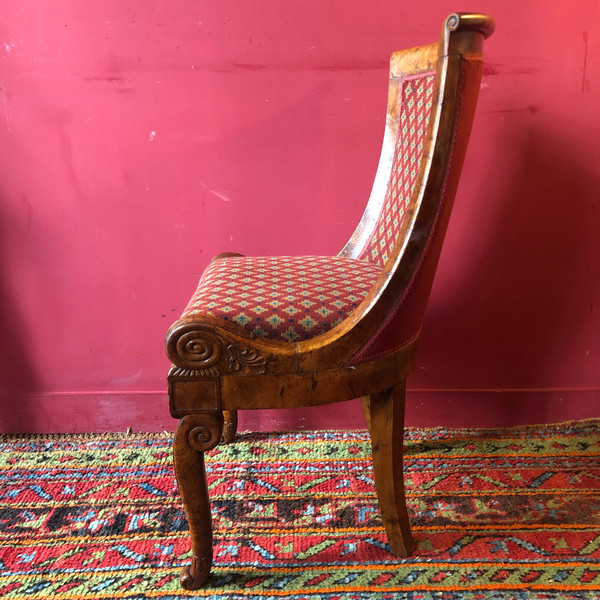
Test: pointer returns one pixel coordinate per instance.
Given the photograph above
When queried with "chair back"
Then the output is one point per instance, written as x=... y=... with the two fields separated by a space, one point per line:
x=432 y=96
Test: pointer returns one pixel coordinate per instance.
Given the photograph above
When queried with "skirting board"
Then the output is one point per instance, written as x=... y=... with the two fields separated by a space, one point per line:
x=93 y=412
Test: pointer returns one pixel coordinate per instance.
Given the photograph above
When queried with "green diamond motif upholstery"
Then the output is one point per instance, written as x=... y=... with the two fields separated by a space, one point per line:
x=417 y=95
x=285 y=298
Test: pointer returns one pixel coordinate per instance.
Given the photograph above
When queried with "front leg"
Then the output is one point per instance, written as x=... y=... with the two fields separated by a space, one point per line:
x=195 y=435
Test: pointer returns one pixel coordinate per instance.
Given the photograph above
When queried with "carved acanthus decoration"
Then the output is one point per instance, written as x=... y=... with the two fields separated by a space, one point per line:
x=196 y=352
x=241 y=358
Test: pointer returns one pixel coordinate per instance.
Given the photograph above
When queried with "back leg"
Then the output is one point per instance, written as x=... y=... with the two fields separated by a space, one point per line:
x=230 y=426
x=384 y=412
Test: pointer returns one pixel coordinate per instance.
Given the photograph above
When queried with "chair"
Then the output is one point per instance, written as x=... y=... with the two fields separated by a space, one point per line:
x=308 y=330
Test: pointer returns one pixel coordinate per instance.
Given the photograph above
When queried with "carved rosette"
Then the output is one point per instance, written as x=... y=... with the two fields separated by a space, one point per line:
x=196 y=352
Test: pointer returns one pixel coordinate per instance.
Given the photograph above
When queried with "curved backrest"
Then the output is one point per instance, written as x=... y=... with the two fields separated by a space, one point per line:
x=410 y=101
x=431 y=103
x=414 y=103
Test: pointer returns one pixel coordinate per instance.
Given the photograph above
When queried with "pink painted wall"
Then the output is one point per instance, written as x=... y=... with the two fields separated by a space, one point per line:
x=138 y=139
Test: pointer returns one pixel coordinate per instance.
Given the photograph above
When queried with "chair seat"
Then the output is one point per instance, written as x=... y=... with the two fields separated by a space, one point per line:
x=285 y=298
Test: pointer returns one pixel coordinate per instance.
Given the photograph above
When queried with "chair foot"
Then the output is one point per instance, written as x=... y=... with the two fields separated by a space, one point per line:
x=385 y=415
x=230 y=426
x=195 y=575
x=195 y=435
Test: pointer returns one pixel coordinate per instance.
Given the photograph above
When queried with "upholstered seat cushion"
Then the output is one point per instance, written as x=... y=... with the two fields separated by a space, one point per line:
x=286 y=298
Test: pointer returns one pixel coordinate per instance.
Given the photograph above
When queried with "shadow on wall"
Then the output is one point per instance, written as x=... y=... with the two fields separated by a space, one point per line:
x=517 y=316
x=18 y=376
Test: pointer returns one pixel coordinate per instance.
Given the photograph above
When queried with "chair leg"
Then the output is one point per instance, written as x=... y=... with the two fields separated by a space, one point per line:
x=366 y=409
x=385 y=415
x=195 y=435
x=230 y=427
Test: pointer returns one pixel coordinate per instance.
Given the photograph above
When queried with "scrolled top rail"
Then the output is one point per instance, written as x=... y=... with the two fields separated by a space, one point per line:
x=471 y=21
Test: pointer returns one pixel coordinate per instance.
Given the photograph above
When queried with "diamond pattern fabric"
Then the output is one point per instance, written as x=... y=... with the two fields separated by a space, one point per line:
x=296 y=298
x=417 y=96
x=286 y=298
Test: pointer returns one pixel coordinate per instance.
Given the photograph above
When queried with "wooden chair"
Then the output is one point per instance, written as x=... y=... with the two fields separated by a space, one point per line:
x=303 y=331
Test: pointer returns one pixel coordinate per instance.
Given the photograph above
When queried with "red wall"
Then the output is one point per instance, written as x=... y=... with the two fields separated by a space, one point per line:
x=138 y=139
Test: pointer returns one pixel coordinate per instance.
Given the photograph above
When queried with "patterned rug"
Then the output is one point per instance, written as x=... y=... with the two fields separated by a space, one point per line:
x=498 y=514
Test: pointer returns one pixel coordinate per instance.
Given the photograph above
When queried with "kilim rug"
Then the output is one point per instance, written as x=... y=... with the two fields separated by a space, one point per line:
x=498 y=514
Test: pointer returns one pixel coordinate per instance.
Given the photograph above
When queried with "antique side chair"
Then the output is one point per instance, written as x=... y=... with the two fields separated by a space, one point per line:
x=308 y=330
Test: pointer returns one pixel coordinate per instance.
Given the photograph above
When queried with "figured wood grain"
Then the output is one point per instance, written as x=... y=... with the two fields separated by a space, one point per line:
x=219 y=367
x=384 y=412
x=195 y=435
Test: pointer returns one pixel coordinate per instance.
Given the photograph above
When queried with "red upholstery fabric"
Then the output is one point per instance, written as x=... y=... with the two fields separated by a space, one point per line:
x=404 y=322
x=284 y=298
x=417 y=94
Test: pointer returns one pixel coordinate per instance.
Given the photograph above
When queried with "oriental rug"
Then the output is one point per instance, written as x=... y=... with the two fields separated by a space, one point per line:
x=497 y=514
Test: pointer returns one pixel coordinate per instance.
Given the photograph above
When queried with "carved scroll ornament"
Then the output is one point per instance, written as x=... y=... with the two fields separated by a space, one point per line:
x=206 y=434
x=199 y=353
